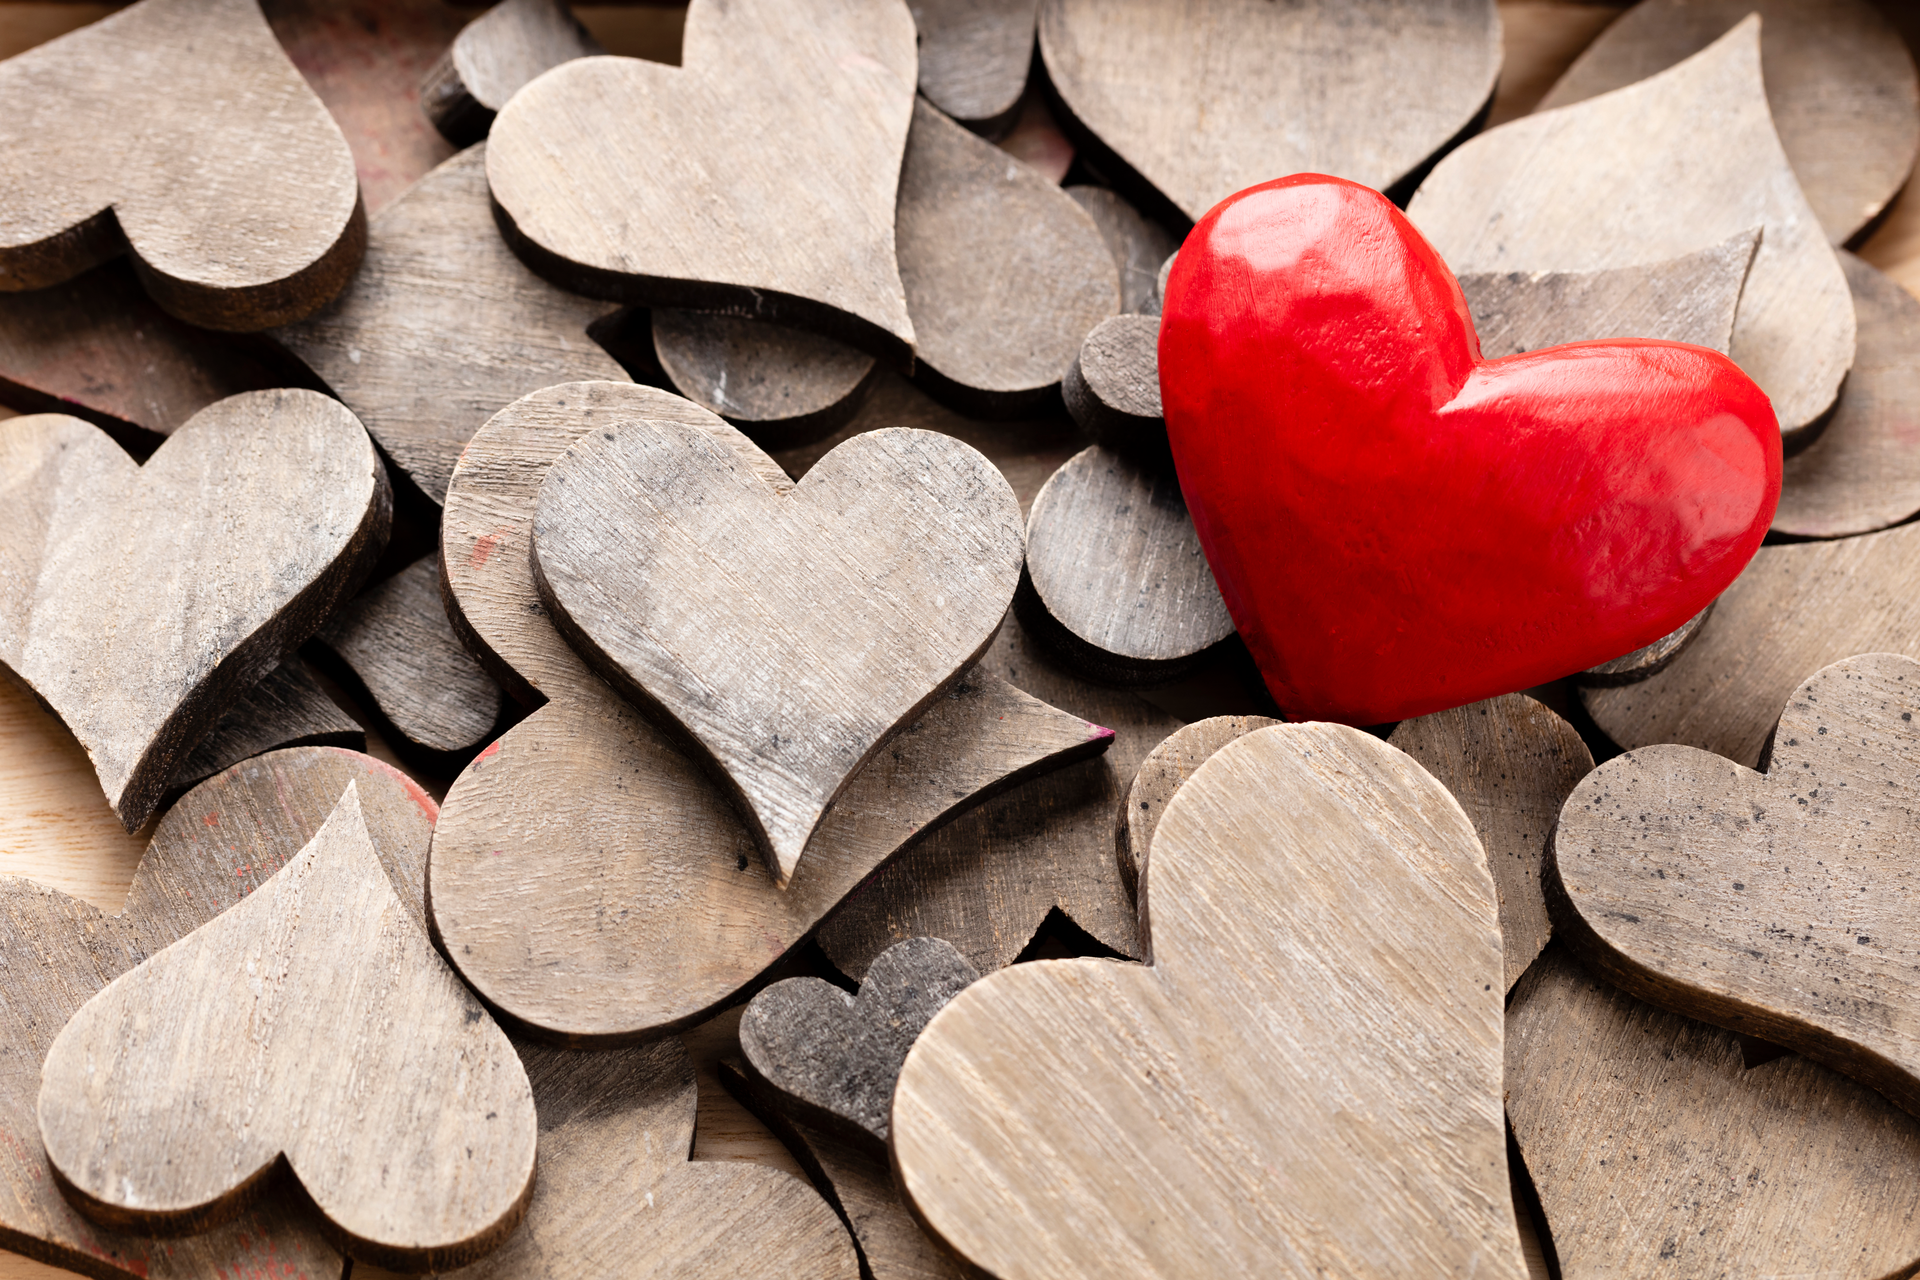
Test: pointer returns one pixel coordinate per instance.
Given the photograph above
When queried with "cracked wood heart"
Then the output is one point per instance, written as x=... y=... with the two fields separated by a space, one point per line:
x=783 y=636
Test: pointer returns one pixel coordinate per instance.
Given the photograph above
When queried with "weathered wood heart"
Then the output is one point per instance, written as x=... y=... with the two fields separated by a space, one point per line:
x=312 y=1021
x=1776 y=904
x=1088 y=1118
x=974 y=58
x=141 y=601
x=493 y=57
x=848 y=604
x=1137 y=245
x=832 y=1058
x=239 y=205
x=288 y=708
x=758 y=176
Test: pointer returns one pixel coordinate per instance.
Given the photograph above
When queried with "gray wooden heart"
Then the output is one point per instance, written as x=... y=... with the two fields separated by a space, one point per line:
x=783 y=636
x=140 y=601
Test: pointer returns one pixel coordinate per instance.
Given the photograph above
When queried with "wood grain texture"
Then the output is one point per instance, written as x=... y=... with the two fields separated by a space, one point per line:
x=1692 y=298
x=1863 y=471
x=758 y=177
x=783 y=387
x=183 y=582
x=1774 y=904
x=216 y=846
x=1795 y=609
x=830 y=1059
x=974 y=57
x=275 y=1029
x=849 y=602
x=288 y=708
x=443 y=327
x=434 y=702
x=1511 y=763
x=1841 y=86
x=1164 y=771
x=1137 y=245
x=616 y=1191
x=1205 y=100
x=1115 y=578
x=1627 y=178
x=1004 y=272
x=241 y=208
x=988 y=881
x=1183 y=1105
x=493 y=57
x=1112 y=389
x=1657 y=1152
x=1648 y=659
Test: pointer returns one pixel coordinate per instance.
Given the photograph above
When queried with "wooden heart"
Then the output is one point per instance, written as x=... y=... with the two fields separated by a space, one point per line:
x=848 y=604
x=239 y=203
x=311 y=1021
x=1203 y=100
x=286 y=709
x=1087 y=1118
x=832 y=1058
x=1624 y=179
x=1775 y=904
x=974 y=58
x=493 y=57
x=1137 y=245
x=184 y=581
x=758 y=176
x=783 y=387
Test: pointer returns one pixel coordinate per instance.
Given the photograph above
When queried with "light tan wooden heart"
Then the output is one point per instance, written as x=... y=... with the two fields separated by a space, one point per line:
x=785 y=636
x=179 y=130
x=140 y=601
x=1305 y=1080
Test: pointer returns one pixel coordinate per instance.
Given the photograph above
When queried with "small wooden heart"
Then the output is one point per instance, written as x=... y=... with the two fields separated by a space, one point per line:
x=1267 y=1096
x=785 y=636
x=1777 y=904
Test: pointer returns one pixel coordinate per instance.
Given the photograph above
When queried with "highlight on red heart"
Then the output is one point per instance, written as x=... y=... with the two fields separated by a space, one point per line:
x=1399 y=526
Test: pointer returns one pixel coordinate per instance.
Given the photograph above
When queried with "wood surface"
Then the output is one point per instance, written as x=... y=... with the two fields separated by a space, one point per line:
x=311 y=1019
x=288 y=708
x=992 y=879
x=782 y=386
x=1841 y=85
x=1183 y=1105
x=1206 y=99
x=241 y=208
x=1625 y=179
x=434 y=702
x=1795 y=609
x=1657 y=1152
x=1112 y=389
x=911 y=538
x=443 y=327
x=1692 y=298
x=1164 y=771
x=1036 y=140
x=1510 y=762
x=1115 y=578
x=830 y=1059
x=974 y=56
x=1863 y=471
x=493 y=57
x=1648 y=659
x=1004 y=272
x=616 y=1194
x=1674 y=877
x=758 y=177
x=182 y=582
x=1137 y=245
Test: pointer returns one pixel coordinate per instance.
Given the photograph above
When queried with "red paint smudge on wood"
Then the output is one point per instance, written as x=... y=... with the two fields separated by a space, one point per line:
x=212 y=819
x=482 y=549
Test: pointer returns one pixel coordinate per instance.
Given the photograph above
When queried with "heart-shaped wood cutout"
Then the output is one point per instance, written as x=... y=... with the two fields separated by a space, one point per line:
x=1777 y=904
x=314 y=1021
x=785 y=636
x=238 y=201
x=1266 y=1097
x=140 y=601
x=833 y=1058
x=757 y=176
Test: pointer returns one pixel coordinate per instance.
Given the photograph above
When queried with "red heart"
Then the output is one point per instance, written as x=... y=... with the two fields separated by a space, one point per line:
x=1399 y=526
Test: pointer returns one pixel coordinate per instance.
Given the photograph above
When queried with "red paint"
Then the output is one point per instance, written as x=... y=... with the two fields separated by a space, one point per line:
x=489 y=750
x=212 y=819
x=414 y=791
x=1399 y=526
x=482 y=549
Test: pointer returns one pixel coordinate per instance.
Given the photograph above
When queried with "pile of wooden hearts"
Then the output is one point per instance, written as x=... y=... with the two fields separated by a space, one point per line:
x=742 y=490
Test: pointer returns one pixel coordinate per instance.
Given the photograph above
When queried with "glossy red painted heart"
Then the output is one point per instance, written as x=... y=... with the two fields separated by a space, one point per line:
x=1399 y=526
